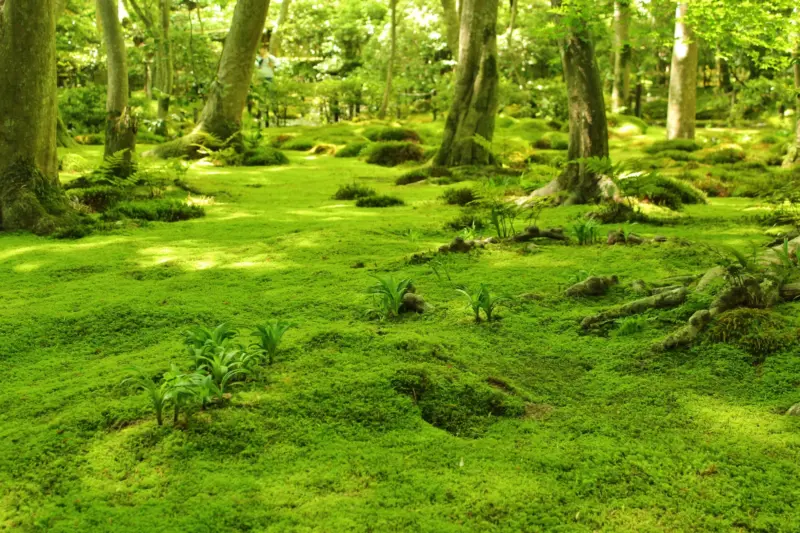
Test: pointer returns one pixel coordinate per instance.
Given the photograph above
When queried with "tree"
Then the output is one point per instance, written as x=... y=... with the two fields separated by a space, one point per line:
x=387 y=91
x=622 y=53
x=120 y=124
x=588 y=129
x=159 y=30
x=275 y=40
x=682 y=105
x=452 y=26
x=222 y=114
x=474 y=106
x=30 y=194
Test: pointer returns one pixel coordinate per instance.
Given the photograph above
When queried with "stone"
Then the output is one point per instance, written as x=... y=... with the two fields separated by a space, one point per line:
x=615 y=237
x=632 y=238
x=794 y=410
x=413 y=303
x=592 y=286
x=659 y=238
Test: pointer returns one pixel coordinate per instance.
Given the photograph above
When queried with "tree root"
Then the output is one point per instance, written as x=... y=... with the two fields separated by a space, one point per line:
x=533 y=232
x=672 y=298
x=592 y=286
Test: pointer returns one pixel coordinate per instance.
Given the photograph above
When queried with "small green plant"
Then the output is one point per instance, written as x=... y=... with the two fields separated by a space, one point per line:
x=502 y=215
x=157 y=393
x=586 y=231
x=388 y=294
x=224 y=366
x=441 y=266
x=459 y=196
x=269 y=337
x=482 y=300
x=631 y=325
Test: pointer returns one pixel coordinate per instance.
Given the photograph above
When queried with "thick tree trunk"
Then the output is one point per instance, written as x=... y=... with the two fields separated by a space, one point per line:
x=277 y=34
x=474 y=106
x=588 y=129
x=622 y=52
x=120 y=124
x=227 y=96
x=30 y=194
x=387 y=91
x=452 y=26
x=682 y=106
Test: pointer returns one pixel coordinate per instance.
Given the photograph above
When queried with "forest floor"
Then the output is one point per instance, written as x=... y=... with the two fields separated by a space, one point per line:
x=615 y=436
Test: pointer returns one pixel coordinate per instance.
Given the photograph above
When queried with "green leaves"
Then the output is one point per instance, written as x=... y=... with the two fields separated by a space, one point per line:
x=269 y=337
x=388 y=294
x=482 y=300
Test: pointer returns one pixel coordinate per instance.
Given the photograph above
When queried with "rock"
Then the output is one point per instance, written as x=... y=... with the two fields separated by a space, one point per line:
x=640 y=287
x=632 y=238
x=531 y=249
x=458 y=245
x=532 y=296
x=659 y=238
x=357 y=264
x=790 y=291
x=592 y=286
x=413 y=303
x=794 y=410
x=615 y=237
x=709 y=277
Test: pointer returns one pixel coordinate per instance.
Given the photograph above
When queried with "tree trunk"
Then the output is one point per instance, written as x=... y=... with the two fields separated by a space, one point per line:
x=275 y=41
x=164 y=70
x=794 y=151
x=452 y=26
x=724 y=73
x=387 y=91
x=30 y=194
x=227 y=95
x=622 y=53
x=120 y=125
x=474 y=106
x=588 y=129
x=682 y=105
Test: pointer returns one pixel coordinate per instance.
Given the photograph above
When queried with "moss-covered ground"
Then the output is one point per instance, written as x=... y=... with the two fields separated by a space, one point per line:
x=611 y=436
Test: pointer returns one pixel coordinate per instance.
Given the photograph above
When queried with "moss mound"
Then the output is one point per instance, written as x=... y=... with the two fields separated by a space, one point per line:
x=264 y=156
x=759 y=332
x=379 y=201
x=159 y=210
x=684 y=145
x=392 y=134
x=353 y=191
x=459 y=403
x=352 y=149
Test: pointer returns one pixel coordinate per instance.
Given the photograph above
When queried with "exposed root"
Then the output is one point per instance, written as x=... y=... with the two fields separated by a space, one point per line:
x=672 y=298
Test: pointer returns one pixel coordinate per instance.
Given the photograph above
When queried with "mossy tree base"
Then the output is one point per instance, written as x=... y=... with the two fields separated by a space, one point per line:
x=31 y=201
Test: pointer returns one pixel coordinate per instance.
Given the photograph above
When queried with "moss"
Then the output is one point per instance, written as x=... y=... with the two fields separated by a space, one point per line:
x=459 y=196
x=74 y=163
x=154 y=210
x=31 y=201
x=353 y=191
x=413 y=176
x=627 y=124
x=759 y=332
x=553 y=141
x=392 y=134
x=299 y=144
x=726 y=154
x=192 y=146
x=264 y=156
x=391 y=154
x=684 y=145
x=98 y=197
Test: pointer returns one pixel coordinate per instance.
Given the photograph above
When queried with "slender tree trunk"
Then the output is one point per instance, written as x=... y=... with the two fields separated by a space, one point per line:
x=622 y=53
x=120 y=124
x=452 y=26
x=588 y=129
x=474 y=106
x=227 y=95
x=277 y=34
x=794 y=151
x=164 y=72
x=724 y=73
x=30 y=194
x=387 y=91
x=682 y=106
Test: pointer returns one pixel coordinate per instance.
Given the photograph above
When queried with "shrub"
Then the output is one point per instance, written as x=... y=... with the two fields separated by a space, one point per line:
x=390 y=154
x=466 y=220
x=353 y=191
x=662 y=190
x=413 y=176
x=299 y=144
x=155 y=210
x=684 y=145
x=264 y=156
x=586 y=231
x=379 y=201
x=352 y=149
x=458 y=196
x=74 y=163
x=83 y=108
x=98 y=197
x=553 y=140
x=392 y=134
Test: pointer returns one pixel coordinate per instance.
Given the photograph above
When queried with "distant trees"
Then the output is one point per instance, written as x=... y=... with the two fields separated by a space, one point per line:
x=682 y=106
x=387 y=90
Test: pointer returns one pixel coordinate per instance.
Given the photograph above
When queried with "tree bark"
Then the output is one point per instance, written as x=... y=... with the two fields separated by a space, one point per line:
x=277 y=34
x=622 y=52
x=164 y=72
x=30 y=194
x=120 y=124
x=474 y=106
x=794 y=151
x=227 y=95
x=588 y=128
x=724 y=73
x=452 y=26
x=387 y=91
x=682 y=106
